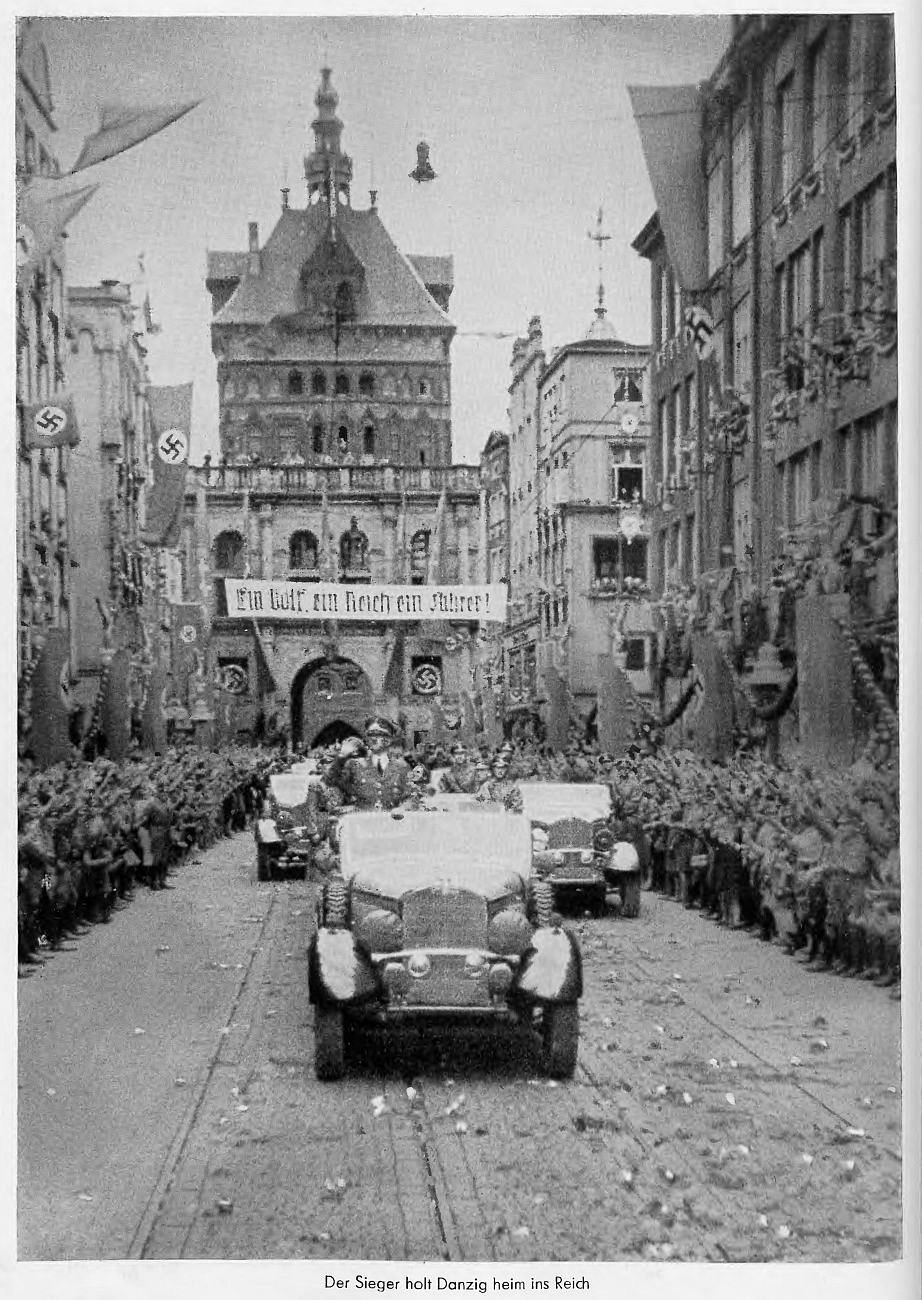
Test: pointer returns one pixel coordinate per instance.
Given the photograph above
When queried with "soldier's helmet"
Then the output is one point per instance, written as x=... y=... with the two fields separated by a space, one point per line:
x=379 y=727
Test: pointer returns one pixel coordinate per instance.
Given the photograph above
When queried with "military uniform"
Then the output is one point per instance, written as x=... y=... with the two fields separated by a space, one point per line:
x=372 y=780
x=372 y=783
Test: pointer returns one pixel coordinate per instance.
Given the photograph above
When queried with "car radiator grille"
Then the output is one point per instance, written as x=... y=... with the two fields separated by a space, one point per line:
x=444 y=918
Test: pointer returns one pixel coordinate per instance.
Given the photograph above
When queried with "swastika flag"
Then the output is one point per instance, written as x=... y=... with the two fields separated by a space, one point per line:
x=51 y=424
x=700 y=331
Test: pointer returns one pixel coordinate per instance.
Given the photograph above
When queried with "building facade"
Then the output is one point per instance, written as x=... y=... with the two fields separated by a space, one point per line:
x=334 y=374
x=775 y=457
x=578 y=519
x=108 y=374
x=42 y=475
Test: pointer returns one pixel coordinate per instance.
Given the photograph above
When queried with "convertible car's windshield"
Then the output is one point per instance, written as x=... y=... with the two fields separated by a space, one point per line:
x=489 y=851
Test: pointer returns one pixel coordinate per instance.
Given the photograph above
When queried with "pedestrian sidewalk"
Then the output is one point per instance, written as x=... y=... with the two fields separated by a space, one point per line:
x=117 y=1036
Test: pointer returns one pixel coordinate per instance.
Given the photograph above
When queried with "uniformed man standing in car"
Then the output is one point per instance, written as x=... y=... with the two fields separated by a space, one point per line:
x=461 y=777
x=374 y=778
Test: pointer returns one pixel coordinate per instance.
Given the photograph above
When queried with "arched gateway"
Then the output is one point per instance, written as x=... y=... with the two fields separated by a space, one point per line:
x=330 y=698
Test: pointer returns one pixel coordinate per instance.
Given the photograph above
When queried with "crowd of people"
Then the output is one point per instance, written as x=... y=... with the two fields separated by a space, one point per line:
x=806 y=856
x=91 y=832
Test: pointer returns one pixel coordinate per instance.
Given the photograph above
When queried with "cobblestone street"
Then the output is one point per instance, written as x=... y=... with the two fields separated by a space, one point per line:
x=729 y=1104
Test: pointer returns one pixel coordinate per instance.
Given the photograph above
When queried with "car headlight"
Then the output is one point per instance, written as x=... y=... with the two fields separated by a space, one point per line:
x=587 y=856
x=558 y=858
x=419 y=965
x=509 y=932
x=378 y=930
x=604 y=841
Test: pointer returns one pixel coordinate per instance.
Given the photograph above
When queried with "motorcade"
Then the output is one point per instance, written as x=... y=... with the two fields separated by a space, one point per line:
x=436 y=914
x=574 y=845
x=285 y=838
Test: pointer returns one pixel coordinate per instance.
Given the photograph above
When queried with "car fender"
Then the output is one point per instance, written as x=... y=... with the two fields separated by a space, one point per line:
x=624 y=861
x=338 y=971
x=552 y=967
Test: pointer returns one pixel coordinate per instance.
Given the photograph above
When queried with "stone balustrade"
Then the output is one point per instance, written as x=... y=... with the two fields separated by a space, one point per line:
x=373 y=479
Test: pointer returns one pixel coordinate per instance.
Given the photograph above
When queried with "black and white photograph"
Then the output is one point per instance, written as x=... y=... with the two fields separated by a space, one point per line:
x=464 y=721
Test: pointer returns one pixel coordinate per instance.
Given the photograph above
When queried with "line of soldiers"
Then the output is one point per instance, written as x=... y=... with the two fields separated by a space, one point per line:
x=808 y=858
x=89 y=832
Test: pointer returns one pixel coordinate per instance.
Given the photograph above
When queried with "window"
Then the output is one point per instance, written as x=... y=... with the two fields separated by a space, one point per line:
x=295 y=383
x=742 y=356
x=342 y=385
x=666 y=303
x=635 y=654
x=605 y=561
x=675 y=461
x=816 y=106
x=784 y=138
x=614 y=558
x=345 y=301
x=715 y=192
x=302 y=550
x=627 y=390
x=741 y=159
x=804 y=487
x=368 y=440
x=627 y=483
x=867 y=246
x=661 y=420
x=318 y=383
x=229 y=553
x=317 y=439
x=634 y=559
x=676 y=305
x=366 y=384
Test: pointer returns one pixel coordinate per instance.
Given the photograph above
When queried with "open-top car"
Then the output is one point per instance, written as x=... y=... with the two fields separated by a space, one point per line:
x=284 y=833
x=574 y=844
x=439 y=914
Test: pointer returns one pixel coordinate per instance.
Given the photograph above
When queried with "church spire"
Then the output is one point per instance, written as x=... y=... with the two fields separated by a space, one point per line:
x=327 y=170
x=600 y=327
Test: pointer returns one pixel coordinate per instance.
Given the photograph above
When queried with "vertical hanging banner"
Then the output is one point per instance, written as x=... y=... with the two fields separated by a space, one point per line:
x=188 y=646
x=49 y=739
x=115 y=717
x=249 y=598
x=153 y=720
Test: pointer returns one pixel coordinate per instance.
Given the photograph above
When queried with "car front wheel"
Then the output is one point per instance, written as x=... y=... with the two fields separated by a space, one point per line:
x=560 y=1032
x=329 y=1043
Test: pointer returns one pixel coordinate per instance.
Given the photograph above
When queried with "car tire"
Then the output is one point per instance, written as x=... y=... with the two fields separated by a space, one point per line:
x=263 y=864
x=329 y=1043
x=599 y=904
x=630 y=896
x=560 y=1035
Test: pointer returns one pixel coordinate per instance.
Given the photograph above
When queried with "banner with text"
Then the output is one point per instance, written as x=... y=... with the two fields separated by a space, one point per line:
x=249 y=598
